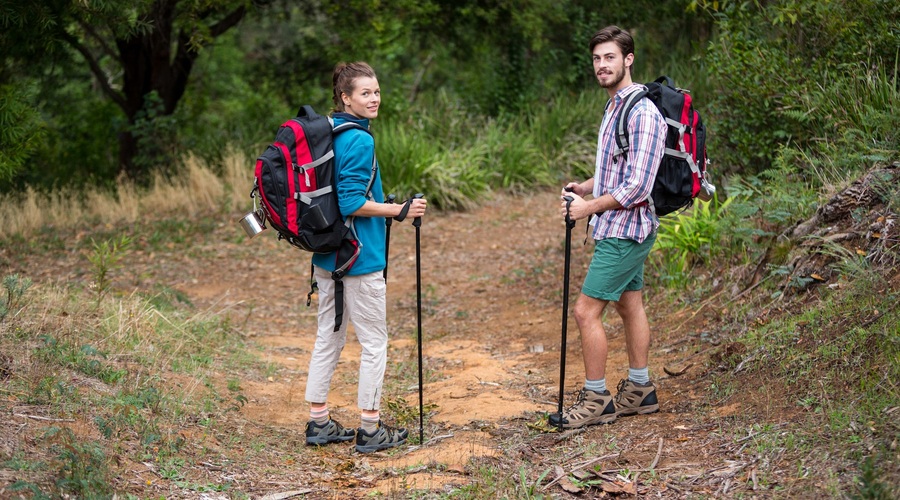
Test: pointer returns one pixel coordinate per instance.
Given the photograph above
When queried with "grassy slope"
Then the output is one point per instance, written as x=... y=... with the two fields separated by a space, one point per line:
x=125 y=378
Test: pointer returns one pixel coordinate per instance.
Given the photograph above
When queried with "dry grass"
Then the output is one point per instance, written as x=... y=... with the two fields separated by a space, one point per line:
x=201 y=188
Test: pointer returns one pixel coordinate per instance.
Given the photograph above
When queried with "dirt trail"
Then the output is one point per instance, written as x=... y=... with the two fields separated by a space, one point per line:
x=491 y=329
x=492 y=280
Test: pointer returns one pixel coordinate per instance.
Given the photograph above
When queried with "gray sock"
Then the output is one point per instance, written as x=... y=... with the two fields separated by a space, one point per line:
x=370 y=424
x=639 y=375
x=596 y=385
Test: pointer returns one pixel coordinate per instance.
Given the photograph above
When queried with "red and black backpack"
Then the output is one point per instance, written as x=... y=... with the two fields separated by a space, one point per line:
x=682 y=170
x=295 y=185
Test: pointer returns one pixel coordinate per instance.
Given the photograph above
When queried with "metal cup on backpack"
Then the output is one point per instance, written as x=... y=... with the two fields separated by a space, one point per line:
x=255 y=221
x=707 y=190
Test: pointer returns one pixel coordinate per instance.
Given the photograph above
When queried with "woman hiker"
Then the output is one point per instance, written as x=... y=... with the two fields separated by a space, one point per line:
x=356 y=98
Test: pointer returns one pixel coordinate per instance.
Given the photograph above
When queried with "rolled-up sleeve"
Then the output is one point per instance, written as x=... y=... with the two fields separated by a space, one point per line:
x=647 y=131
x=355 y=171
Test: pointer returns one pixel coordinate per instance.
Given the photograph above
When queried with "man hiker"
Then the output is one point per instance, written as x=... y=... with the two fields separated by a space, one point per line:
x=624 y=227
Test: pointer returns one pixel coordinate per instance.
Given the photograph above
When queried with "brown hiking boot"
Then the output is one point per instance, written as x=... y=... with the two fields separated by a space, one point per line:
x=636 y=399
x=590 y=408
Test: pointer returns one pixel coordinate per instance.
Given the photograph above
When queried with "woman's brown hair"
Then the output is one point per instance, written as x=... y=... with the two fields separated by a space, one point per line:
x=344 y=77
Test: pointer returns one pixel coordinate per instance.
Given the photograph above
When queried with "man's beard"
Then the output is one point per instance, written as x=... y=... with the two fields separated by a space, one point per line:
x=617 y=78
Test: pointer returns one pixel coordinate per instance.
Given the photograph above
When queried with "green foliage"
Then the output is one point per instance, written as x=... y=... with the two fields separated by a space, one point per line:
x=15 y=288
x=105 y=259
x=83 y=465
x=84 y=358
x=500 y=58
x=870 y=486
x=156 y=135
x=782 y=71
x=690 y=238
x=21 y=131
x=456 y=156
x=847 y=341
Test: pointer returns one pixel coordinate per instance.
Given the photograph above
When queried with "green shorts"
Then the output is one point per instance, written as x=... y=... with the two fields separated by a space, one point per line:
x=617 y=267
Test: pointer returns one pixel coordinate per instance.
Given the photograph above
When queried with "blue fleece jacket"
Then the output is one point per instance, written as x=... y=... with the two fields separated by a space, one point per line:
x=353 y=153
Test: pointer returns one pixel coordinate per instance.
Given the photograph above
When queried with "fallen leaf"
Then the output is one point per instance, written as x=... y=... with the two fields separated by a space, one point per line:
x=612 y=487
x=816 y=277
x=568 y=485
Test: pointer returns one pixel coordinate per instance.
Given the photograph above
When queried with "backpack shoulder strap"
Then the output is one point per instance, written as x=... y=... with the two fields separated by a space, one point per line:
x=621 y=124
x=347 y=126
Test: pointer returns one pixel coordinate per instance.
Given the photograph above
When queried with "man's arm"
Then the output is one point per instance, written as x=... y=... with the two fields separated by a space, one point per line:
x=647 y=130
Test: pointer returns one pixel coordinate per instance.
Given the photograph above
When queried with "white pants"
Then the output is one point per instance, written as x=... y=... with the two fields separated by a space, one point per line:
x=364 y=306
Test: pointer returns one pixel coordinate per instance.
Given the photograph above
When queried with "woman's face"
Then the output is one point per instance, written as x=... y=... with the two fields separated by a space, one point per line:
x=365 y=99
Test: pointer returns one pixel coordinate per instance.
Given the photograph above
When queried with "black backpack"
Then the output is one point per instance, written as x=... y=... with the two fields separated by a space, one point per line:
x=682 y=171
x=295 y=185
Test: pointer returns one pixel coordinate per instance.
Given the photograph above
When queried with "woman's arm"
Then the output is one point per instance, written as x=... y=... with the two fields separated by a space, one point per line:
x=374 y=209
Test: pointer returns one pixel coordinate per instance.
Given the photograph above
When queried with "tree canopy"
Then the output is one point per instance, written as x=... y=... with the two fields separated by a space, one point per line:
x=93 y=89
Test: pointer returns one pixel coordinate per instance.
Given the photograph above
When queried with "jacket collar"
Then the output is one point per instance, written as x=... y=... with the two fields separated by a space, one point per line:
x=342 y=117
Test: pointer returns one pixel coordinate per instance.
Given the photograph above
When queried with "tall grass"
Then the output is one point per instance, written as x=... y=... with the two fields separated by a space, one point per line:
x=201 y=188
x=451 y=155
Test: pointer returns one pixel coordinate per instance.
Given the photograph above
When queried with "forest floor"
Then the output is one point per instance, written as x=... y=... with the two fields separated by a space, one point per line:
x=491 y=338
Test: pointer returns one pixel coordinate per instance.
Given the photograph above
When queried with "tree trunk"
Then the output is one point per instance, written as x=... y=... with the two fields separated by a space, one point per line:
x=148 y=66
x=127 y=153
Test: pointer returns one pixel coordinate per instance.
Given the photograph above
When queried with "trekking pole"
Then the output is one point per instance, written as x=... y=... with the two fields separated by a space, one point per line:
x=417 y=222
x=387 y=236
x=565 y=312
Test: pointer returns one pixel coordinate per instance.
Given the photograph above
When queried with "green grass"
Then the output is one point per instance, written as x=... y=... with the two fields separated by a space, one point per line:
x=79 y=358
x=456 y=158
x=838 y=362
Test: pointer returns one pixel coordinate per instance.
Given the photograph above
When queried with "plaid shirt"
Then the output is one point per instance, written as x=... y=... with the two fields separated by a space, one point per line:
x=629 y=181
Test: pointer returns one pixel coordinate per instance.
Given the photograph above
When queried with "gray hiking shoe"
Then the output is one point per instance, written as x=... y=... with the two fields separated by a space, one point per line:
x=589 y=409
x=636 y=399
x=382 y=438
x=329 y=432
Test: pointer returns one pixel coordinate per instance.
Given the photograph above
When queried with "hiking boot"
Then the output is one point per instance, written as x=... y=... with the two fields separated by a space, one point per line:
x=382 y=438
x=329 y=432
x=590 y=408
x=636 y=399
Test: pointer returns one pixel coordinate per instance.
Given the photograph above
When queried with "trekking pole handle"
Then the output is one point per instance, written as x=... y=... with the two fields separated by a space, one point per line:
x=417 y=222
x=406 y=204
x=569 y=221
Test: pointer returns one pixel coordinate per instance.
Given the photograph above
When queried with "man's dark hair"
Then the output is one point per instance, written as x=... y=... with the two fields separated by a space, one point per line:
x=615 y=34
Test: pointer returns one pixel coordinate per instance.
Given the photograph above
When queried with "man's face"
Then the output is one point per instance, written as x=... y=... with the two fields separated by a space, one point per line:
x=365 y=99
x=609 y=64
